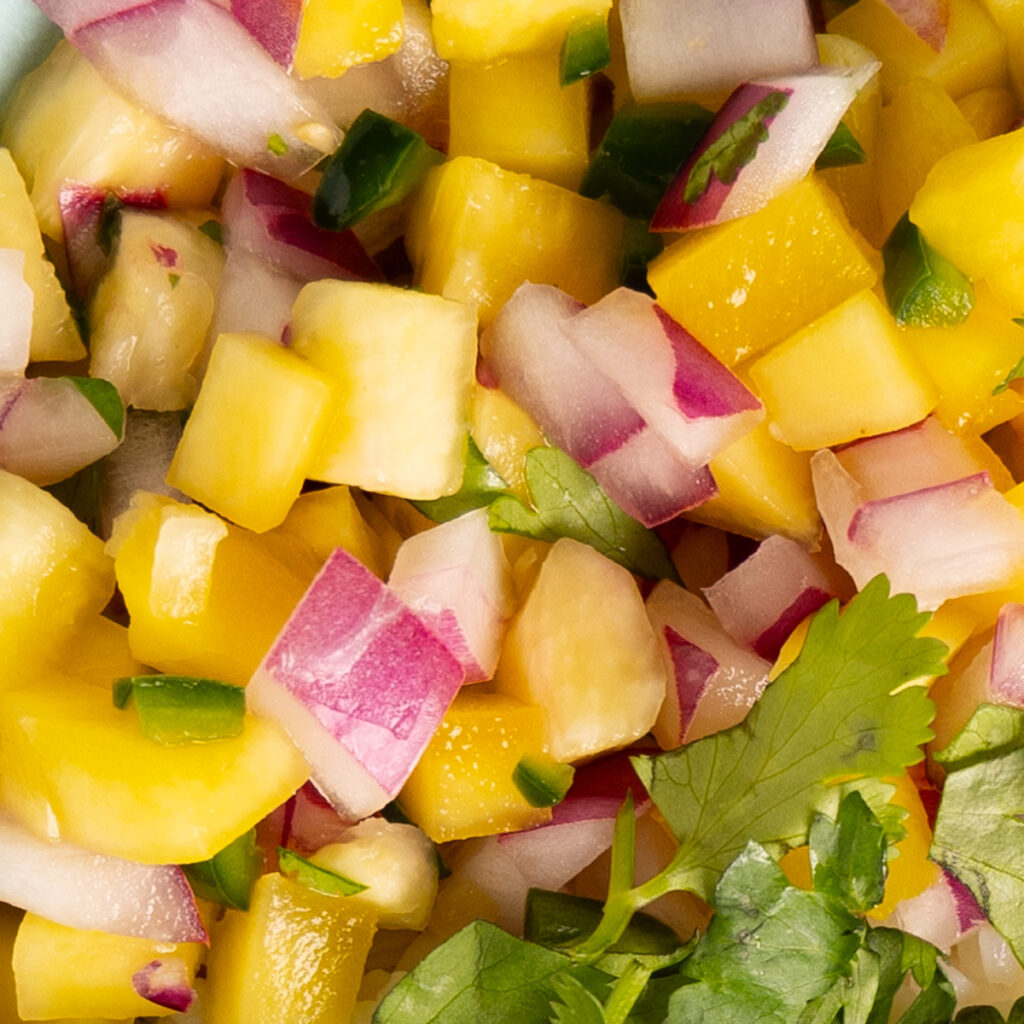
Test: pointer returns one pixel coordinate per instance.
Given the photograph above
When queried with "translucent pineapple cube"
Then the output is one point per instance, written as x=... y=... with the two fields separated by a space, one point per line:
x=335 y=35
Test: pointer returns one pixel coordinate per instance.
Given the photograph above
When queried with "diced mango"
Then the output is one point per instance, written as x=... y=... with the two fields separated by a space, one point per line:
x=477 y=232
x=504 y=432
x=335 y=35
x=205 y=597
x=990 y=111
x=517 y=114
x=402 y=366
x=582 y=648
x=742 y=286
x=296 y=955
x=54 y=334
x=66 y=124
x=254 y=432
x=69 y=972
x=75 y=767
x=483 y=30
x=973 y=56
x=98 y=652
x=462 y=785
x=847 y=375
x=1009 y=16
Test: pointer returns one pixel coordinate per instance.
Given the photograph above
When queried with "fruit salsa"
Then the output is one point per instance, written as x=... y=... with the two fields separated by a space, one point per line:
x=511 y=511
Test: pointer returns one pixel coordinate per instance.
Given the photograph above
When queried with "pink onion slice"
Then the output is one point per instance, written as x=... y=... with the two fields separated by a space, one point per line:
x=359 y=682
x=74 y=887
x=1006 y=674
x=762 y=600
x=17 y=302
x=796 y=135
x=274 y=24
x=457 y=579
x=941 y=915
x=928 y=19
x=194 y=65
x=166 y=982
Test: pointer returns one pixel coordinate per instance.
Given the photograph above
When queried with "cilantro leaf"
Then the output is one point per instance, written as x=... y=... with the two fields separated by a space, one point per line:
x=314 y=877
x=731 y=151
x=481 y=484
x=848 y=854
x=576 y=1003
x=841 y=150
x=105 y=399
x=934 y=1005
x=568 y=502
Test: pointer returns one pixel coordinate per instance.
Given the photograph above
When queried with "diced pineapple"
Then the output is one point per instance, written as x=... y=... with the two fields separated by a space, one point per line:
x=69 y=972
x=990 y=111
x=295 y=955
x=205 y=597
x=518 y=115
x=54 y=575
x=66 y=124
x=462 y=785
x=847 y=375
x=504 y=432
x=151 y=311
x=402 y=364
x=335 y=35
x=582 y=648
x=98 y=652
x=741 y=286
x=483 y=30
x=477 y=232
x=973 y=56
x=54 y=334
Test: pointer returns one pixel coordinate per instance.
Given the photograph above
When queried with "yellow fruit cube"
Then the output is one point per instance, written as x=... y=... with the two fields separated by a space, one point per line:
x=483 y=30
x=847 y=375
x=462 y=785
x=69 y=972
x=582 y=648
x=504 y=432
x=742 y=286
x=54 y=575
x=75 y=767
x=402 y=366
x=254 y=432
x=335 y=35
x=66 y=124
x=206 y=598
x=54 y=334
x=296 y=955
x=518 y=115
x=98 y=652
x=477 y=232
x=1009 y=16
x=973 y=56
x=989 y=111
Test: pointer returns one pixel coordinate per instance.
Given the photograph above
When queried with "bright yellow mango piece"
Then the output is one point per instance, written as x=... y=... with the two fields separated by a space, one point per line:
x=847 y=375
x=477 y=232
x=517 y=114
x=1009 y=16
x=504 y=432
x=744 y=285
x=296 y=955
x=974 y=54
x=483 y=30
x=69 y=972
x=462 y=785
x=254 y=432
x=335 y=35
x=54 y=334
x=990 y=111
x=75 y=767
x=205 y=597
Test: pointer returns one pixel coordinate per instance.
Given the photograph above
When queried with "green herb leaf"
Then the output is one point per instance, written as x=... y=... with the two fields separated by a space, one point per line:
x=314 y=877
x=105 y=399
x=848 y=855
x=568 y=502
x=481 y=484
x=935 y=1005
x=841 y=150
x=228 y=876
x=212 y=229
x=586 y=48
x=183 y=709
x=174 y=279
x=542 y=780
x=277 y=145
x=735 y=147
x=575 y=1004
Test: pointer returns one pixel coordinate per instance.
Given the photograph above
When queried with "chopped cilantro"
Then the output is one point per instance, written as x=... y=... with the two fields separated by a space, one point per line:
x=314 y=877
x=212 y=229
x=105 y=399
x=277 y=145
x=174 y=279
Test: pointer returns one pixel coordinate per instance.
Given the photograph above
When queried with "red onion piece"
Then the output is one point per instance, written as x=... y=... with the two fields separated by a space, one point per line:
x=274 y=24
x=928 y=19
x=359 y=683
x=1006 y=675
x=166 y=982
x=17 y=302
x=968 y=913
x=74 y=887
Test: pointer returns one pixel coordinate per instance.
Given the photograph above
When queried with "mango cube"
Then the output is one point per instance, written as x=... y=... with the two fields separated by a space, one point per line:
x=504 y=432
x=742 y=286
x=477 y=232
x=296 y=955
x=335 y=35
x=1009 y=16
x=254 y=432
x=847 y=375
x=462 y=785
x=402 y=366
x=989 y=111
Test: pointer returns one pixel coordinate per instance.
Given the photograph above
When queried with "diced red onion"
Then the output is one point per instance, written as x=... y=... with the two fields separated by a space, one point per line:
x=166 y=982
x=74 y=887
x=932 y=915
x=274 y=24
x=968 y=913
x=1006 y=675
x=17 y=302
x=359 y=683
x=928 y=19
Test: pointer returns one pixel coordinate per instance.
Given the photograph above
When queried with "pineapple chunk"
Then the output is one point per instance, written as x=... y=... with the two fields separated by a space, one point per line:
x=402 y=365
x=462 y=785
x=69 y=972
x=66 y=124
x=335 y=35
x=583 y=649
x=76 y=768
x=504 y=432
x=152 y=308
x=295 y=955
x=254 y=432
x=54 y=334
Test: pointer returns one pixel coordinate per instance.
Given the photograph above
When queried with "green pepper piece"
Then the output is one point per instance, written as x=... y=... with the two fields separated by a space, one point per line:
x=228 y=877
x=586 y=48
x=183 y=709
x=542 y=780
